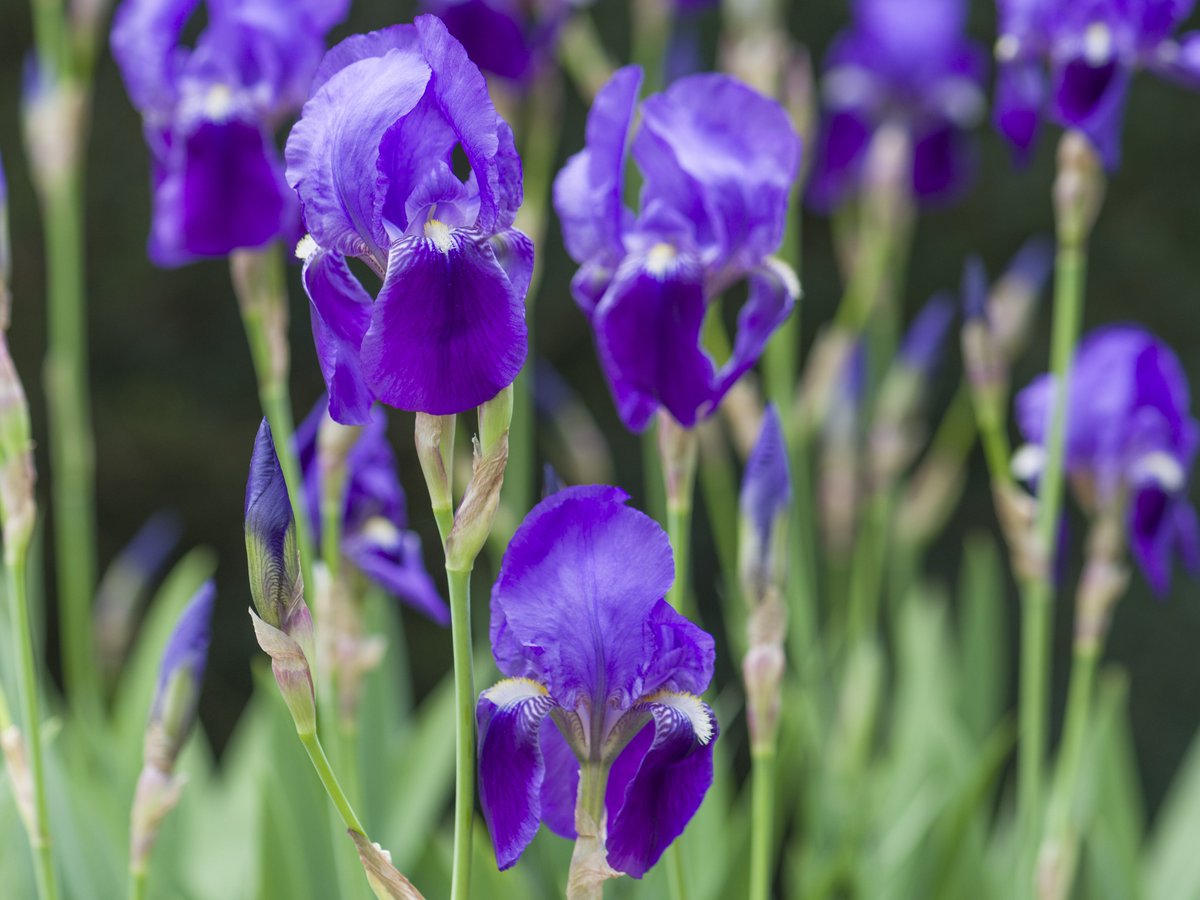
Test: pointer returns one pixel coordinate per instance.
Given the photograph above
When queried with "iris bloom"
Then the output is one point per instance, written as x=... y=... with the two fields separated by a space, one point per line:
x=373 y=160
x=717 y=162
x=210 y=113
x=375 y=535
x=1073 y=60
x=509 y=38
x=906 y=63
x=1131 y=439
x=603 y=674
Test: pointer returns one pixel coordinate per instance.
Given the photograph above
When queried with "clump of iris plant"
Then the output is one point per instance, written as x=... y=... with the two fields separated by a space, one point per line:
x=906 y=64
x=375 y=537
x=1073 y=62
x=211 y=112
x=373 y=159
x=717 y=160
x=1131 y=442
x=598 y=729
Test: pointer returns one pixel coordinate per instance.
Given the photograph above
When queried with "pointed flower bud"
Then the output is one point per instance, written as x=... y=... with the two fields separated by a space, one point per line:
x=177 y=691
x=1014 y=297
x=271 y=552
x=1078 y=189
x=473 y=521
x=435 y=450
x=172 y=714
x=494 y=418
x=765 y=503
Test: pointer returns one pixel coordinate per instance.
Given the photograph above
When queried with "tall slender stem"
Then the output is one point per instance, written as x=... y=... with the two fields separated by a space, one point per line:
x=1038 y=593
x=258 y=278
x=137 y=883
x=27 y=684
x=762 y=820
x=320 y=762
x=464 y=730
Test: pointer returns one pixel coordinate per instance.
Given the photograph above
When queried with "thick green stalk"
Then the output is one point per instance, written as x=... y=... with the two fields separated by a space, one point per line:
x=1037 y=596
x=72 y=455
x=27 y=684
x=870 y=559
x=679 y=529
x=464 y=730
x=763 y=765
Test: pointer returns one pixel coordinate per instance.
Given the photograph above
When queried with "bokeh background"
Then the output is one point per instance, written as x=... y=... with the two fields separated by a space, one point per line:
x=175 y=406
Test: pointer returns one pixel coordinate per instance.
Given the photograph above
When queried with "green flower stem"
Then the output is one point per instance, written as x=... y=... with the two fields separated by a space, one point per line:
x=679 y=529
x=320 y=762
x=652 y=21
x=464 y=730
x=1037 y=595
x=870 y=559
x=262 y=299
x=72 y=454
x=763 y=766
x=27 y=685
x=137 y=883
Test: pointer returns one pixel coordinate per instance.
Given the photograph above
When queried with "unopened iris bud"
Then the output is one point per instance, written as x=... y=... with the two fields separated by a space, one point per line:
x=1078 y=189
x=765 y=504
x=262 y=295
x=386 y=882
x=677 y=447
x=435 y=450
x=762 y=671
x=1014 y=297
x=473 y=521
x=172 y=715
x=494 y=418
x=289 y=665
x=986 y=369
x=271 y=553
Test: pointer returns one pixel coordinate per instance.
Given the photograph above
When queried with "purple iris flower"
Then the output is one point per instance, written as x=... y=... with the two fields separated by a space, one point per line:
x=717 y=161
x=375 y=534
x=182 y=668
x=1130 y=437
x=907 y=63
x=509 y=38
x=373 y=160
x=210 y=113
x=601 y=672
x=1074 y=59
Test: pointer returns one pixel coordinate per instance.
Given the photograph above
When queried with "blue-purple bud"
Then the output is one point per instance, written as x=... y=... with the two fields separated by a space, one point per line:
x=974 y=290
x=925 y=339
x=182 y=670
x=1014 y=297
x=765 y=503
x=271 y=553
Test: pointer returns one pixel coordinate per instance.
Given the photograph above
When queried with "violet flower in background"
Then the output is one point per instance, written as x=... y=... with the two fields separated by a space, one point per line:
x=717 y=161
x=1130 y=439
x=765 y=503
x=372 y=161
x=181 y=672
x=1073 y=61
x=924 y=342
x=510 y=38
x=210 y=113
x=375 y=534
x=907 y=63
x=589 y=645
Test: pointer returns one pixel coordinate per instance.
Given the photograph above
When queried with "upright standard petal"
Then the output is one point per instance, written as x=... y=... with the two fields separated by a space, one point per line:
x=578 y=583
x=448 y=329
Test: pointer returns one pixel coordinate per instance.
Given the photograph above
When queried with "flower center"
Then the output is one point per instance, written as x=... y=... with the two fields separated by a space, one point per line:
x=438 y=233
x=1097 y=44
x=218 y=102
x=661 y=259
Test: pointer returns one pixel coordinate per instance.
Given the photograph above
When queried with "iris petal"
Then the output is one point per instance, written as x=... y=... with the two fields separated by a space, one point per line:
x=659 y=781
x=511 y=768
x=560 y=787
x=392 y=559
x=774 y=290
x=447 y=330
x=340 y=313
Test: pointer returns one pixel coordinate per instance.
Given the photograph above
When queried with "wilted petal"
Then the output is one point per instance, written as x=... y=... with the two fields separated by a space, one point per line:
x=648 y=335
x=447 y=330
x=509 y=717
x=774 y=290
x=578 y=585
x=659 y=781
x=340 y=313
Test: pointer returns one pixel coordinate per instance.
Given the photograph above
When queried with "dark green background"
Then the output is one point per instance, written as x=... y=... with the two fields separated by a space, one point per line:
x=174 y=400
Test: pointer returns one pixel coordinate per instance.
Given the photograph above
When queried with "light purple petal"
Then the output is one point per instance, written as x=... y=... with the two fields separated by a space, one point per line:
x=145 y=36
x=393 y=560
x=736 y=146
x=340 y=313
x=333 y=151
x=447 y=330
x=588 y=191
x=509 y=717
x=656 y=785
x=573 y=605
